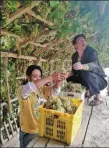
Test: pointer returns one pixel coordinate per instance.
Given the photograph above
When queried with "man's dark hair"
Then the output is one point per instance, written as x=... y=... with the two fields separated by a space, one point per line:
x=76 y=37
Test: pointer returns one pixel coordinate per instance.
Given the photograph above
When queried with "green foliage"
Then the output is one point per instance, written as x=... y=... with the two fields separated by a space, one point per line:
x=61 y=23
x=2 y=82
x=54 y=3
x=25 y=2
x=12 y=77
x=44 y=10
x=3 y=18
x=7 y=43
x=11 y=5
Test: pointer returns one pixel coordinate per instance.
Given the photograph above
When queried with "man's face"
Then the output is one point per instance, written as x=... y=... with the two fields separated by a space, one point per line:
x=80 y=43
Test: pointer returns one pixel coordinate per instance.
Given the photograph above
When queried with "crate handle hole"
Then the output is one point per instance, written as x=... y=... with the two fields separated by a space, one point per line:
x=56 y=116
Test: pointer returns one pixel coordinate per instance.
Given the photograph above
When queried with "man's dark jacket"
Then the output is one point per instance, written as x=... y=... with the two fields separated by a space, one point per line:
x=89 y=57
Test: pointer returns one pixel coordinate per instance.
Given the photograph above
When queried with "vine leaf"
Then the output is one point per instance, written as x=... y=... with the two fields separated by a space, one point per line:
x=54 y=3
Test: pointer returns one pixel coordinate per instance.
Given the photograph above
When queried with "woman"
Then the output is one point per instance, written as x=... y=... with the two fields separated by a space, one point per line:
x=30 y=95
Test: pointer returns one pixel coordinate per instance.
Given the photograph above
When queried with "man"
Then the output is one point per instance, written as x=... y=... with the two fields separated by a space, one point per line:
x=87 y=70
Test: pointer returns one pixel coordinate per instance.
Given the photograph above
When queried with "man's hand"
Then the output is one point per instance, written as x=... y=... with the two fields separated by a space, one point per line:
x=78 y=66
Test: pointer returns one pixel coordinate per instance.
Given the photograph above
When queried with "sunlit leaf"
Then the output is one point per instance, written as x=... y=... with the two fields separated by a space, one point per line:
x=54 y=3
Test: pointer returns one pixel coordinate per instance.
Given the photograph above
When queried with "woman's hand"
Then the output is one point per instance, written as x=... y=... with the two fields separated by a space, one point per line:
x=58 y=76
x=68 y=74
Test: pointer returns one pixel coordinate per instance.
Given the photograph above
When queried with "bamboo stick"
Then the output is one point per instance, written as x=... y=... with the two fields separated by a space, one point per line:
x=7 y=86
x=30 y=12
x=13 y=55
x=19 y=78
x=4 y=32
x=48 y=47
x=22 y=11
x=38 y=44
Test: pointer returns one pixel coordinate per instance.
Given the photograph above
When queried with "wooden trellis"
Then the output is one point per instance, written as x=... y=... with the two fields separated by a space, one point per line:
x=13 y=55
x=40 y=45
x=34 y=41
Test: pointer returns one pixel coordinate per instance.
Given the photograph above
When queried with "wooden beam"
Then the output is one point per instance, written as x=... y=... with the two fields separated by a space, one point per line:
x=23 y=42
x=13 y=55
x=31 y=41
x=22 y=11
x=19 y=78
x=4 y=32
x=28 y=41
x=7 y=85
x=38 y=44
x=45 y=49
x=47 y=35
x=30 y=12
x=49 y=46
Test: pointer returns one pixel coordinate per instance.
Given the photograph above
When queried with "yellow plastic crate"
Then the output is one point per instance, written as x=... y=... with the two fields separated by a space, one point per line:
x=60 y=126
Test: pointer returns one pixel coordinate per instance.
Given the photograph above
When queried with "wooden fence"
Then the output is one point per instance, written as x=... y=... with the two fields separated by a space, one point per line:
x=8 y=122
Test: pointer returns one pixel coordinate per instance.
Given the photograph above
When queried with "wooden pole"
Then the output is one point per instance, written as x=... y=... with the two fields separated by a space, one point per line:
x=7 y=33
x=30 y=12
x=7 y=85
x=13 y=55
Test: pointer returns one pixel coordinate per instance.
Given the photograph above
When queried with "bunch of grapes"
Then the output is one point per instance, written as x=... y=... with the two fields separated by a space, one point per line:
x=61 y=104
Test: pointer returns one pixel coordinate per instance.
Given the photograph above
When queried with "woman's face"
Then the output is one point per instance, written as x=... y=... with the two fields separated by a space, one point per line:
x=36 y=75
